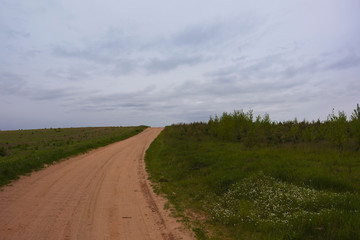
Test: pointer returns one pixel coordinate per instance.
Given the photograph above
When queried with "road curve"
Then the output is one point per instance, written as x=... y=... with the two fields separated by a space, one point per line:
x=103 y=194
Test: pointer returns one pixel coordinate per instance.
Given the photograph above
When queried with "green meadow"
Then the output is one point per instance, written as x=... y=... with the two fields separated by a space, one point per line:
x=23 y=151
x=244 y=177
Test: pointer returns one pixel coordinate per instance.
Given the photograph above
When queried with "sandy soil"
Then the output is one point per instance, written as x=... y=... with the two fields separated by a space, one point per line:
x=103 y=194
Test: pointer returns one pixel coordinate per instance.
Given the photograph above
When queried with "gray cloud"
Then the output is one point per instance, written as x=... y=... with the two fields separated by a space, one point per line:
x=111 y=63
x=201 y=35
x=50 y=94
x=16 y=85
x=156 y=65
x=349 y=61
x=11 y=84
x=88 y=54
x=259 y=83
x=71 y=74
x=282 y=66
x=100 y=102
x=217 y=33
x=110 y=54
x=13 y=34
x=193 y=99
x=123 y=54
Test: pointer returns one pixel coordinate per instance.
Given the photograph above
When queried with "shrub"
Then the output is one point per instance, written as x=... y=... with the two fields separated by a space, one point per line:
x=337 y=129
x=2 y=152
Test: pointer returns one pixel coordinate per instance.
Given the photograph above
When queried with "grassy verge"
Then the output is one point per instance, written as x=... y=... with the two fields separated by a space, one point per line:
x=229 y=190
x=23 y=151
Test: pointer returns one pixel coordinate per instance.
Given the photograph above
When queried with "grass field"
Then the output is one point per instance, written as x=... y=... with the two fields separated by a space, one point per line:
x=23 y=151
x=259 y=179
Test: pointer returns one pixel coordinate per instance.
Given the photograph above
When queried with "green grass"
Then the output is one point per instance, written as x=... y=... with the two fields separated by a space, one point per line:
x=24 y=151
x=229 y=190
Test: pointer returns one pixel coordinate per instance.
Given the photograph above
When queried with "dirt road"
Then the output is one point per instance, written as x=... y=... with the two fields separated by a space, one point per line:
x=103 y=194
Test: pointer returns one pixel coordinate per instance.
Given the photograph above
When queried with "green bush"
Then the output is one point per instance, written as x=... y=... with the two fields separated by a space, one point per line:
x=337 y=131
x=2 y=152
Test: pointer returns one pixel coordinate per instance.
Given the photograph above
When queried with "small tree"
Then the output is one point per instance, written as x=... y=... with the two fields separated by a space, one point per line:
x=337 y=131
x=355 y=124
x=295 y=131
x=226 y=127
x=266 y=128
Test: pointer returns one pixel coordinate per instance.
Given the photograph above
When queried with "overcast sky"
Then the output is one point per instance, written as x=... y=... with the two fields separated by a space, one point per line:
x=66 y=63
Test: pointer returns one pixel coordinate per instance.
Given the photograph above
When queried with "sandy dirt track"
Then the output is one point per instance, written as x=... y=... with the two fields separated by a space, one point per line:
x=103 y=194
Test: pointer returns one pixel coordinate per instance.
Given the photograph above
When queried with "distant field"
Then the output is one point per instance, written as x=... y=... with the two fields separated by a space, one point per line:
x=23 y=151
x=239 y=178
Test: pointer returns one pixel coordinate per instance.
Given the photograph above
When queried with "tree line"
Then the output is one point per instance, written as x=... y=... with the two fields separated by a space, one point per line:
x=244 y=127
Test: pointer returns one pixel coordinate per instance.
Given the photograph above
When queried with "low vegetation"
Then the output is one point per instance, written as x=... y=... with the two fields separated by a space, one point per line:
x=240 y=177
x=23 y=151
